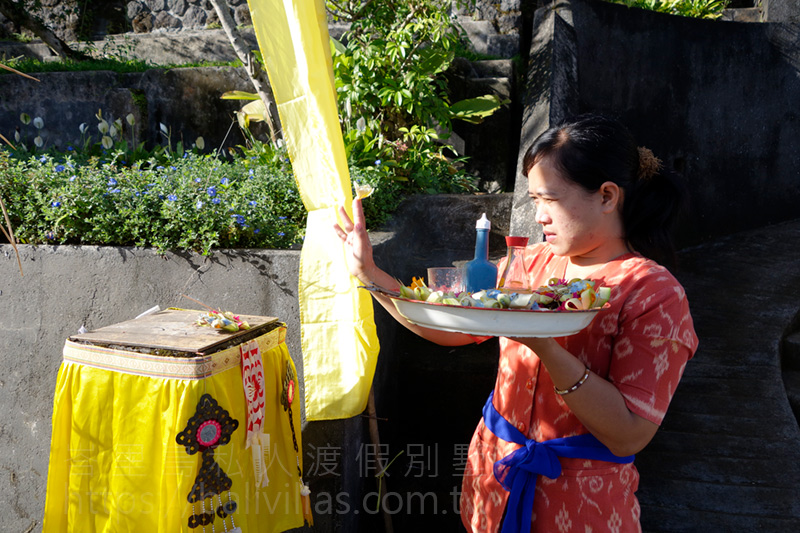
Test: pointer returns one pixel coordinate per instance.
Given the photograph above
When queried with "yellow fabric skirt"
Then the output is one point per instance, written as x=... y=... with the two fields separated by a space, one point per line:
x=115 y=464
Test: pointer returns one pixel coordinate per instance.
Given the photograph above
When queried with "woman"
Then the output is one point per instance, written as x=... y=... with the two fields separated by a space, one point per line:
x=596 y=398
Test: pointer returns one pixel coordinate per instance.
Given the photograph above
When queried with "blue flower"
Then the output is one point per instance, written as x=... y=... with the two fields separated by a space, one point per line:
x=252 y=171
x=377 y=162
x=113 y=191
x=112 y=182
x=50 y=235
x=55 y=203
x=224 y=181
x=256 y=230
x=172 y=198
x=239 y=219
x=173 y=168
x=212 y=191
x=70 y=148
x=281 y=218
x=59 y=168
x=281 y=234
x=73 y=177
x=252 y=203
x=216 y=200
x=199 y=204
x=159 y=167
x=197 y=180
x=43 y=159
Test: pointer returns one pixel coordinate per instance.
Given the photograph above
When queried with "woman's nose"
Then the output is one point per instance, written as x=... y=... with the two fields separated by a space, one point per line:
x=541 y=216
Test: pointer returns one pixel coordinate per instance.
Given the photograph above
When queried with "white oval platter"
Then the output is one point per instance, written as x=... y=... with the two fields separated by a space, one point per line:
x=495 y=322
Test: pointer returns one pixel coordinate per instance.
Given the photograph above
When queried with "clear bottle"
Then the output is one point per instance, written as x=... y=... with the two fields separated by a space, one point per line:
x=480 y=273
x=515 y=273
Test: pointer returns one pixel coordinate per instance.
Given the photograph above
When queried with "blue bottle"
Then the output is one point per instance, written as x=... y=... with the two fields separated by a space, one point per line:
x=481 y=274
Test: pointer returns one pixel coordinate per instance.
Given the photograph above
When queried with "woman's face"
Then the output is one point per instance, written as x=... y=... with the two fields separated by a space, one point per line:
x=576 y=223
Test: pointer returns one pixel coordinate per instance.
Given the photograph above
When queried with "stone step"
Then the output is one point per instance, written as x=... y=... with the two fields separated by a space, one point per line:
x=744 y=14
x=484 y=38
x=494 y=68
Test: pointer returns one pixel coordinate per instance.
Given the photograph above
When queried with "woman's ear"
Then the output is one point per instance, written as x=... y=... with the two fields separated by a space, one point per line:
x=611 y=196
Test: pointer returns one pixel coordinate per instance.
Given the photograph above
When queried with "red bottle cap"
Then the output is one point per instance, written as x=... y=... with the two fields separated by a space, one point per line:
x=516 y=241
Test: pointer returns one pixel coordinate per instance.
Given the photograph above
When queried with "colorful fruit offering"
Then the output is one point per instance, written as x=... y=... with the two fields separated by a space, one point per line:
x=558 y=295
x=224 y=320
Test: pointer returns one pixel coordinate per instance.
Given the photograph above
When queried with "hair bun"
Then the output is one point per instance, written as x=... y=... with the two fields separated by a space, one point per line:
x=649 y=164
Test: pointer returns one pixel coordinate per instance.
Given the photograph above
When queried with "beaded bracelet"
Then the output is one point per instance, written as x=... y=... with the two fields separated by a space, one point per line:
x=562 y=392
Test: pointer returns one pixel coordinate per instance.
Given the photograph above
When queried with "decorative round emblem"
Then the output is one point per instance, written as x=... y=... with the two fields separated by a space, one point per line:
x=226 y=509
x=290 y=392
x=208 y=433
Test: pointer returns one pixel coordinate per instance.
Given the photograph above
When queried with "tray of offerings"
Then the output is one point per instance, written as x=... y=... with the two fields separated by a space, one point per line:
x=558 y=309
x=495 y=322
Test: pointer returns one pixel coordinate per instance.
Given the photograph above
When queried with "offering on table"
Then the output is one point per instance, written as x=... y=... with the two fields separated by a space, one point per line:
x=224 y=320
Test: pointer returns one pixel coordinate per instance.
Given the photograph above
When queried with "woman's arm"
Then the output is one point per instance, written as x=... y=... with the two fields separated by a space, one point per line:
x=597 y=403
x=361 y=264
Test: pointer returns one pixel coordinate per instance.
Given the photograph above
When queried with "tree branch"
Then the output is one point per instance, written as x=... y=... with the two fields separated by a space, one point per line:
x=251 y=66
x=16 y=12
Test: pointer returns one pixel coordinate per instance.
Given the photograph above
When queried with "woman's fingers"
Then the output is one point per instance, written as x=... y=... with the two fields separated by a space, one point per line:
x=346 y=226
x=358 y=213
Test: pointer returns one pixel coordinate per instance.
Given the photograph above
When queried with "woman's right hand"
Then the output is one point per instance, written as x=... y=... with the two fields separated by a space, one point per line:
x=361 y=264
x=358 y=249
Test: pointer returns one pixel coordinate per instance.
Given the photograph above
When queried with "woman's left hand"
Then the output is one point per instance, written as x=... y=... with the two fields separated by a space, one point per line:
x=597 y=403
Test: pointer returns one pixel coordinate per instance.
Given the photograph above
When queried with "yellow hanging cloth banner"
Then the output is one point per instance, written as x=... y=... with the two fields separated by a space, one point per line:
x=338 y=338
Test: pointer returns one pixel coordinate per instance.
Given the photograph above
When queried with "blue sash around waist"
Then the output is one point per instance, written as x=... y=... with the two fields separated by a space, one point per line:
x=517 y=471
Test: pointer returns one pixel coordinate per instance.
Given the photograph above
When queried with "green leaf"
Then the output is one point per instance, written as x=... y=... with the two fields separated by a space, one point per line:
x=239 y=95
x=337 y=46
x=434 y=61
x=255 y=111
x=474 y=110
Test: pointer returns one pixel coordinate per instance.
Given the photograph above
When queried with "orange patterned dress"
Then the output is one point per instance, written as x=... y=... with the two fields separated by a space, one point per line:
x=641 y=345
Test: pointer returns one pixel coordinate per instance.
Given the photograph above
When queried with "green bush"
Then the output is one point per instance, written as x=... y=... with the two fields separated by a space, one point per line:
x=708 y=9
x=194 y=202
x=394 y=102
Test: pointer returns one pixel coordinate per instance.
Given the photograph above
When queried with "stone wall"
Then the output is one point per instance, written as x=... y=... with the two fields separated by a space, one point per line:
x=74 y=20
x=493 y=28
x=154 y=15
x=187 y=101
x=714 y=100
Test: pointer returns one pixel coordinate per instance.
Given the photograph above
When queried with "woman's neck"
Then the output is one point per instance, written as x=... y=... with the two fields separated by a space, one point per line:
x=584 y=265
